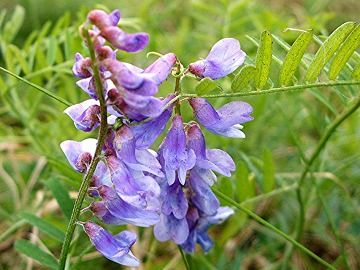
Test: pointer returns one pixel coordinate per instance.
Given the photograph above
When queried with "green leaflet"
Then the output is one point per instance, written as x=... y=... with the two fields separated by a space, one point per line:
x=243 y=79
x=62 y=196
x=356 y=73
x=20 y=57
x=293 y=58
x=51 y=51
x=348 y=47
x=43 y=225
x=206 y=85
x=34 y=252
x=244 y=185
x=263 y=60
x=12 y=27
x=269 y=171
x=327 y=50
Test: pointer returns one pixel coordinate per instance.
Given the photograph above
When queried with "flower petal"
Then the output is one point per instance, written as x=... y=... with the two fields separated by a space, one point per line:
x=145 y=134
x=224 y=58
x=203 y=197
x=79 y=154
x=161 y=68
x=115 y=248
x=101 y=19
x=132 y=43
x=172 y=228
x=224 y=121
x=236 y=112
x=85 y=114
x=125 y=211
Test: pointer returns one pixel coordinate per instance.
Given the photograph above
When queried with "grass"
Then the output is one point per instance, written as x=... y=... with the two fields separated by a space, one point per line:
x=290 y=125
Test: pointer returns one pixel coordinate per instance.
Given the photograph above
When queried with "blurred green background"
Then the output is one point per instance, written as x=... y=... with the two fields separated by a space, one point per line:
x=286 y=126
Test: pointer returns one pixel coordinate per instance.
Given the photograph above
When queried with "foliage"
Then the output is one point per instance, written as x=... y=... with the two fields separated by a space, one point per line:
x=301 y=143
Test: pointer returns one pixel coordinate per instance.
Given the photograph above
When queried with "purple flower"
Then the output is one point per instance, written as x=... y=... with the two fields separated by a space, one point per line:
x=79 y=154
x=124 y=41
x=99 y=210
x=135 y=107
x=174 y=200
x=126 y=212
x=161 y=68
x=101 y=176
x=138 y=81
x=101 y=19
x=82 y=67
x=175 y=157
x=142 y=160
x=142 y=191
x=107 y=25
x=114 y=247
x=207 y=159
x=146 y=133
x=224 y=121
x=201 y=195
x=171 y=228
x=88 y=86
x=86 y=115
x=225 y=57
x=199 y=224
x=130 y=80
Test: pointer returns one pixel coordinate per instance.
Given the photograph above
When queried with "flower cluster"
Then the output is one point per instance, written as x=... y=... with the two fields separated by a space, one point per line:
x=169 y=189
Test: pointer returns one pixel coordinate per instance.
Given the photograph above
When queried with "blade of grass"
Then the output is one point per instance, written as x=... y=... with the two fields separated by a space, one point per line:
x=39 y=88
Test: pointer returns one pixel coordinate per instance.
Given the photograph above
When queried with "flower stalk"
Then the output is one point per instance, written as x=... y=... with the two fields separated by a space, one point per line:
x=101 y=139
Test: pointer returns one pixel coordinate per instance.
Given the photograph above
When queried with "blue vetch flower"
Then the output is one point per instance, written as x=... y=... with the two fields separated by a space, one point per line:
x=171 y=228
x=114 y=247
x=140 y=190
x=125 y=211
x=79 y=154
x=207 y=160
x=101 y=19
x=107 y=26
x=82 y=66
x=132 y=43
x=138 y=81
x=174 y=155
x=174 y=200
x=146 y=133
x=224 y=121
x=86 y=115
x=136 y=159
x=201 y=195
x=198 y=227
x=224 y=58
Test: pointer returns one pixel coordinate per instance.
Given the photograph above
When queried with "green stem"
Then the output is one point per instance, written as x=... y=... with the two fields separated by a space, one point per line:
x=332 y=225
x=321 y=145
x=273 y=228
x=183 y=256
x=101 y=139
x=330 y=130
x=277 y=90
x=177 y=90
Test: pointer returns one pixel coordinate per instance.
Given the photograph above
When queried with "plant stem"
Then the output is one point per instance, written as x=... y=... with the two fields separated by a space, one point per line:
x=101 y=139
x=183 y=256
x=330 y=130
x=177 y=91
x=277 y=90
x=273 y=228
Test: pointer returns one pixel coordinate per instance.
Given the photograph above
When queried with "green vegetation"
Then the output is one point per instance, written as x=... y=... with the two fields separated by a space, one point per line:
x=296 y=188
